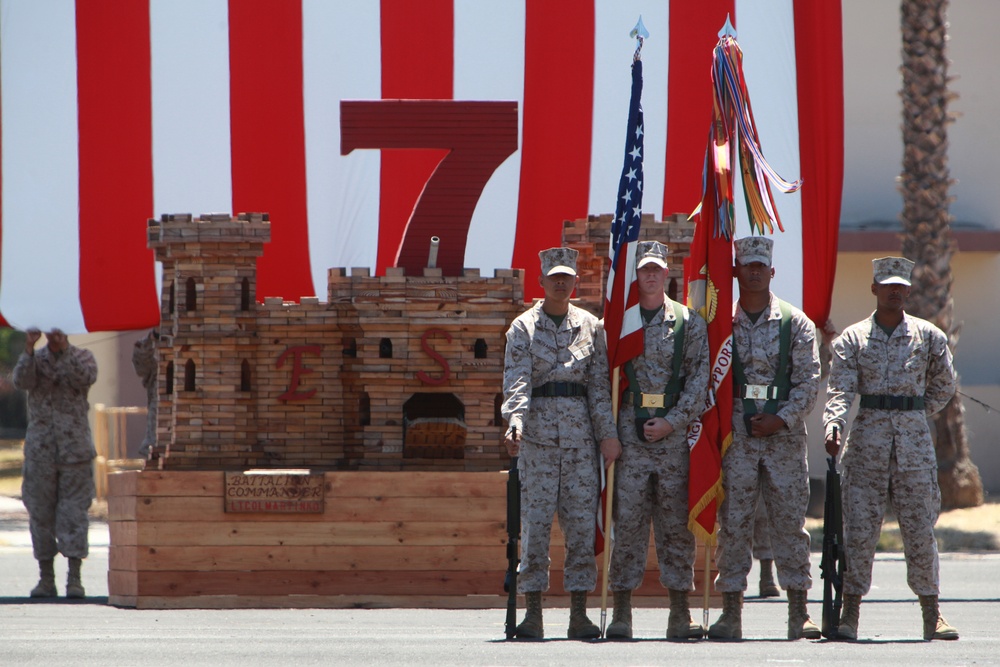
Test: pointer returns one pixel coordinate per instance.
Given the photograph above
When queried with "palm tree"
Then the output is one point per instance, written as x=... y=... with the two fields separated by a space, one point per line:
x=927 y=238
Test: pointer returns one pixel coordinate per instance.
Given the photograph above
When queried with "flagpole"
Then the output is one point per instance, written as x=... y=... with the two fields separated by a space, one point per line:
x=704 y=612
x=606 y=566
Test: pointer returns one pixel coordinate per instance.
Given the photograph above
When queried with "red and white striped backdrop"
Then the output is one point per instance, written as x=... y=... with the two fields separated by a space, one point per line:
x=113 y=111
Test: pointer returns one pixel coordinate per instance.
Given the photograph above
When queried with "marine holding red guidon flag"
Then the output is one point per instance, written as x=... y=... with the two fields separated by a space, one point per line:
x=709 y=273
x=776 y=378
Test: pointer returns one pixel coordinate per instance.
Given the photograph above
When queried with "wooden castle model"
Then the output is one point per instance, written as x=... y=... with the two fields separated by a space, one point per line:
x=373 y=417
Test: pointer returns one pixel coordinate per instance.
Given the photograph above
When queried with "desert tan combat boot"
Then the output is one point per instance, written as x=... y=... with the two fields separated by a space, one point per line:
x=46 y=587
x=935 y=627
x=621 y=617
x=800 y=626
x=849 y=615
x=730 y=624
x=580 y=627
x=74 y=587
x=679 y=624
x=768 y=589
x=531 y=626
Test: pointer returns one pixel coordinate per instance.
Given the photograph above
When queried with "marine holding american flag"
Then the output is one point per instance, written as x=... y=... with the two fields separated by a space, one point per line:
x=557 y=404
x=665 y=392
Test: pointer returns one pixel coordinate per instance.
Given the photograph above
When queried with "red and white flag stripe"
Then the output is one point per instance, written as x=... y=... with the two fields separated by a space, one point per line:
x=112 y=111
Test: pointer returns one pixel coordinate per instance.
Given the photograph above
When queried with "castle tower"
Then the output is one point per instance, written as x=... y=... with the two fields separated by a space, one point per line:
x=208 y=339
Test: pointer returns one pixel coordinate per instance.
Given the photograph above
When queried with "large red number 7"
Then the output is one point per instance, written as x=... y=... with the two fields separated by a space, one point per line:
x=480 y=136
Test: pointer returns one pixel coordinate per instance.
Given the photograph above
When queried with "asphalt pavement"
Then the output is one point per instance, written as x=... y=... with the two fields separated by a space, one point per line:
x=90 y=632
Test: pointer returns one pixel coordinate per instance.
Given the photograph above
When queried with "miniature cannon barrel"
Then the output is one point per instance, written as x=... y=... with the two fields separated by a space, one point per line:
x=432 y=254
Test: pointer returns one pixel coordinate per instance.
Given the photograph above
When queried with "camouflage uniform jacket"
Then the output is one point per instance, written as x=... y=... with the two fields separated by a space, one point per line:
x=913 y=361
x=538 y=353
x=57 y=386
x=758 y=345
x=654 y=368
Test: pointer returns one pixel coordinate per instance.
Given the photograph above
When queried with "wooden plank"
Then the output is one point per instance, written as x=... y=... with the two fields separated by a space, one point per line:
x=418 y=484
x=360 y=602
x=200 y=509
x=121 y=582
x=129 y=601
x=122 y=558
x=122 y=483
x=325 y=602
x=338 y=484
x=123 y=533
x=212 y=558
x=301 y=533
x=121 y=508
x=176 y=483
x=312 y=582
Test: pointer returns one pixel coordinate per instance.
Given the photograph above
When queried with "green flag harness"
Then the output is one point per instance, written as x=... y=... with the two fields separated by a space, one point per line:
x=778 y=391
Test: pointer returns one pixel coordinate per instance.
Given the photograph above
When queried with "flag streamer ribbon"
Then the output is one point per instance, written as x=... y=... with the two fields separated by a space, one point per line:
x=734 y=121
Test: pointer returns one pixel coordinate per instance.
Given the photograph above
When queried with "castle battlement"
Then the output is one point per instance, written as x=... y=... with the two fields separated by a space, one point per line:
x=393 y=372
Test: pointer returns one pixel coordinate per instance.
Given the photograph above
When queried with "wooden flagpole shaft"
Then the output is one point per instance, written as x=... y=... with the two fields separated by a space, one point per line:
x=708 y=559
x=610 y=486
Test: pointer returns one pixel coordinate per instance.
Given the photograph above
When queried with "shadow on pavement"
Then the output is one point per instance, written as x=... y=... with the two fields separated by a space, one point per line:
x=101 y=601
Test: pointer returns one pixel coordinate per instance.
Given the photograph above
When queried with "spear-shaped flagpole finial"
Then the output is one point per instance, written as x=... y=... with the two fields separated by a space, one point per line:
x=727 y=30
x=640 y=33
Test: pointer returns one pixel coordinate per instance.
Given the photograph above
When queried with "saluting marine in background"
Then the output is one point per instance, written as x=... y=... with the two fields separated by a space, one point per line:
x=58 y=484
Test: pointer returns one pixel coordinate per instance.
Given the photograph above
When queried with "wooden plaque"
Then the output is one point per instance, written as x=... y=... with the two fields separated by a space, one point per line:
x=274 y=491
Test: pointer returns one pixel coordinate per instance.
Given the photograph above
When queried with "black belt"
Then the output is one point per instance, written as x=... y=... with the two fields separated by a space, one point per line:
x=760 y=392
x=559 y=390
x=882 y=402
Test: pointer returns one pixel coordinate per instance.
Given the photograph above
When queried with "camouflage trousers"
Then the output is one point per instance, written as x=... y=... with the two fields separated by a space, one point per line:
x=915 y=499
x=57 y=498
x=651 y=484
x=762 y=534
x=773 y=470
x=559 y=481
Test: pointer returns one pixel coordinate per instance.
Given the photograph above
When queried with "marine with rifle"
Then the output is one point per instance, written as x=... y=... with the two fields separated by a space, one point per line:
x=557 y=404
x=901 y=367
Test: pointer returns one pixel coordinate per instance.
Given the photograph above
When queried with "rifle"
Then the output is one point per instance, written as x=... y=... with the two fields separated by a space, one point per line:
x=513 y=534
x=832 y=564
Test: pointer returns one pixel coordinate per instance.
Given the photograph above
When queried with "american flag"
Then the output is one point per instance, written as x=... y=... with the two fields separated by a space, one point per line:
x=622 y=321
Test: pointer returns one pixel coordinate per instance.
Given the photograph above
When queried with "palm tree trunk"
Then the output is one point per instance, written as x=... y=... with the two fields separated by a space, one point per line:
x=927 y=238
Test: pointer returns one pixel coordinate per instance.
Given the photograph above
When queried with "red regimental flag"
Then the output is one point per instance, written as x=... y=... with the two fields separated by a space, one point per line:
x=709 y=275
x=710 y=292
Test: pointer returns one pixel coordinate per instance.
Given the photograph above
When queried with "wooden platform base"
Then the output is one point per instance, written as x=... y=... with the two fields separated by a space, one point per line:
x=385 y=539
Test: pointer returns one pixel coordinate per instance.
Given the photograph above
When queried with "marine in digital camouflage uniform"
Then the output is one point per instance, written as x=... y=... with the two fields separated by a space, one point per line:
x=557 y=403
x=901 y=367
x=768 y=463
x=58 y=484
x=651 y=477
x=146 y=364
